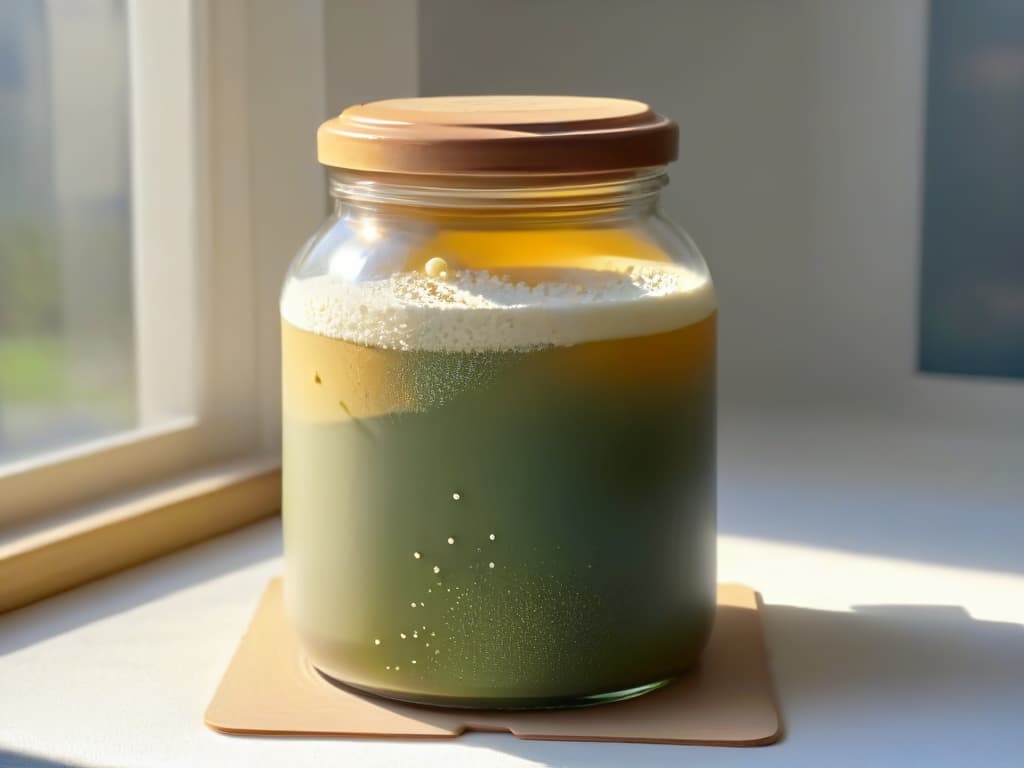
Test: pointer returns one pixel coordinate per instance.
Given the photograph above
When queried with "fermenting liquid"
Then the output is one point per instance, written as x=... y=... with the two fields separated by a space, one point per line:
x=499 y=483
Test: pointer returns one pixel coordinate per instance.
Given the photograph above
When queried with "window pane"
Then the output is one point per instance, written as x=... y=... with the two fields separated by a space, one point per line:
x=972 y=278
x=67 y=361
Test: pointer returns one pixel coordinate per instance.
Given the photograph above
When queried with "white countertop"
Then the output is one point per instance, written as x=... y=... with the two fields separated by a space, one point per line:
x=891 y=562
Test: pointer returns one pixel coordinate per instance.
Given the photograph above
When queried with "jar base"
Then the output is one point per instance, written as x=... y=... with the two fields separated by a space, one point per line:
x=525 y=702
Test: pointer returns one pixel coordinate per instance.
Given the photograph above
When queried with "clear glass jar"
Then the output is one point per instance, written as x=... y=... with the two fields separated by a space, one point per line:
x=498 y=429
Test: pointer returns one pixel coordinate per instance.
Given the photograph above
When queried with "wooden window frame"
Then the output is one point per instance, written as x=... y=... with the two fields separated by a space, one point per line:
x=225 y=97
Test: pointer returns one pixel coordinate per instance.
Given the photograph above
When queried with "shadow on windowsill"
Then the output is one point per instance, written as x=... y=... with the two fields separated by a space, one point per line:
x=878 y=685
x=18 y=760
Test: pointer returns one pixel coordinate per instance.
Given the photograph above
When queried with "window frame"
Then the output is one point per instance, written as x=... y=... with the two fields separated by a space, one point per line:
x=214 y=86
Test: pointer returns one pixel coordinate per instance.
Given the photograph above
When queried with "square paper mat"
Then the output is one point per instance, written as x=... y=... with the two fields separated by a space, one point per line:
x=727 y=700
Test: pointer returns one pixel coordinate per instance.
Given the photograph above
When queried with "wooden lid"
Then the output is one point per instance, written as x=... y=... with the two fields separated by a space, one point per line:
x=497 y=135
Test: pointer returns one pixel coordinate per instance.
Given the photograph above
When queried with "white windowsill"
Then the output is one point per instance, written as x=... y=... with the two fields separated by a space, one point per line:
x=119 y=672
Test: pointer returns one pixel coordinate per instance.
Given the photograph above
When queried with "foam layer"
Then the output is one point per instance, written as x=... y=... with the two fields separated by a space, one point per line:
x=471 y=311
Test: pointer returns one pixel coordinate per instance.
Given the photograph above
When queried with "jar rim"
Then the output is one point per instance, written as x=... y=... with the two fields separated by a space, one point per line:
x=479 y=192
x=498 y=135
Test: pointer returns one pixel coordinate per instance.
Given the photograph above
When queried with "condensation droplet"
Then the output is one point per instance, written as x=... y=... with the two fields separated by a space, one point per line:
x=451 y=539
x=417 y=555
x=316 y=377
x=437 y=569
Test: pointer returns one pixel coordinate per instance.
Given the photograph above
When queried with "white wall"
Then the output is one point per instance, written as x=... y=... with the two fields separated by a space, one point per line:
x=371 y=50
x=800 y=159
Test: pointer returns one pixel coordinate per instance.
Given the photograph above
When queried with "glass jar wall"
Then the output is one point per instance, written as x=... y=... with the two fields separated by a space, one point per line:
x=498 y=419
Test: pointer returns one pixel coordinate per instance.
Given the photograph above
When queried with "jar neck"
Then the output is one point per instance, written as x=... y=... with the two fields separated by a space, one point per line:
x=629 y=193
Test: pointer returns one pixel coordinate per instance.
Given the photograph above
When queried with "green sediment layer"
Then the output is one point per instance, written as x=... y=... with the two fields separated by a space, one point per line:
x=581 y=517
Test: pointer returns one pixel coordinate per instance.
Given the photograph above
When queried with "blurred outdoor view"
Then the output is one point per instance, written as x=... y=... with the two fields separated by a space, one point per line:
x=972 y=276
x=67 y=361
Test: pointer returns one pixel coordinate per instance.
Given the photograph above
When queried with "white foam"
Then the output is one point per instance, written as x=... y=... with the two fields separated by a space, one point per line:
x=471 y=311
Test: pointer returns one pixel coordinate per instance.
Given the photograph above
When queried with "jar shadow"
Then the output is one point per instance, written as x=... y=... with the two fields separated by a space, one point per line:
x=882 y=683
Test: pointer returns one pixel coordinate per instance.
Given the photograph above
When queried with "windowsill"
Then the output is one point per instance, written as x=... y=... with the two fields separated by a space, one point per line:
x=119 y=672
x=50 y=553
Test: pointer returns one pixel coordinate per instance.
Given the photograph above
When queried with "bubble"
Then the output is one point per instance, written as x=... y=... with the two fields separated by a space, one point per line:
x=437 y=651
x=414 y=661
x=376 y=641
x=397 y=667
x=491 y=537
x=421 y=603
x=316 y=377
x=387 y=667
x=436 y=267
x=490 y=565
x=437 y=569
x=456 y=496
x=402 y=635
x=417 y=555
x=412 y=604
x=451 y=539
x=415 y=635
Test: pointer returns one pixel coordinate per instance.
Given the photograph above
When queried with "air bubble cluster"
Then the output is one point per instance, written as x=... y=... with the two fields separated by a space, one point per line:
x=488 y=625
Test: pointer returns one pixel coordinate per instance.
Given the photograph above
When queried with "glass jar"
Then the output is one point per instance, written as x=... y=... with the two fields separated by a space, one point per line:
x=499 y=407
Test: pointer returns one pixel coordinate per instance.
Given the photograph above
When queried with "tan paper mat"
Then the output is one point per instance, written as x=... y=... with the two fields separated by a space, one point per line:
x=270 y=688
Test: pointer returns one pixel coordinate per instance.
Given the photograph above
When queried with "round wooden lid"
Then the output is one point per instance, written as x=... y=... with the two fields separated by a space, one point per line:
x=497 y=135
